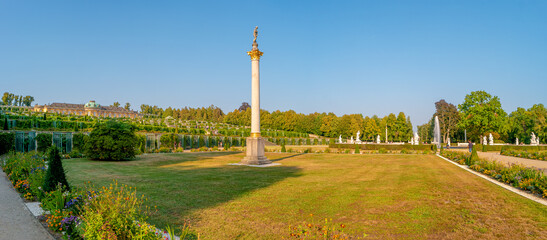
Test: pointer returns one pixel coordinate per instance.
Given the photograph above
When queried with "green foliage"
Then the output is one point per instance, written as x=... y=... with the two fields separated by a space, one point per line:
x=111 y=141
x=473 y=158
x=7 y=142
x=78 y=141
x=44 y=141
x=481 y=113
x=168 y=140
x=116 y=212
x=55 y=175
x=357 y=151
x=530 y=179
x=283 y=149
x=6 y=124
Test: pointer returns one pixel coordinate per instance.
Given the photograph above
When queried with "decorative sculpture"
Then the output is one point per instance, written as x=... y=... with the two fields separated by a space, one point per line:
x=378 y=139
x=490 y=140
x=255 y=34
x=340 y=139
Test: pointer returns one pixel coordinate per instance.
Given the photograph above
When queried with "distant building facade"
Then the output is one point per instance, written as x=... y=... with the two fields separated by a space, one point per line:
x=89 y=109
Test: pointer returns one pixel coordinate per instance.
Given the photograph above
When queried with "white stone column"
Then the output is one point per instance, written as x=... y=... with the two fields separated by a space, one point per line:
x=255 y=100
x=255 y=143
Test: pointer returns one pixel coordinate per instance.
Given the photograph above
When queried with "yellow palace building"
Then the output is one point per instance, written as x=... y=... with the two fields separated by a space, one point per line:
x=90 y=109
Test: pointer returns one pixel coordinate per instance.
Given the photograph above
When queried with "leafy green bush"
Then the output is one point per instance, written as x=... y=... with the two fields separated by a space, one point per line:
x=55 y=174
x=357 y=151
x=44 y=141
x=283 y=149
x=112 y=141
x=7 y=142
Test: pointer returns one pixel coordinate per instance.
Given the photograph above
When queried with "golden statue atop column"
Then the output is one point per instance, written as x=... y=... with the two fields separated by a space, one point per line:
x=255 y=143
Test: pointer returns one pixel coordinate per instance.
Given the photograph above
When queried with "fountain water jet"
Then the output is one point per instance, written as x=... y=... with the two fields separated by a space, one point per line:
x=437 y=133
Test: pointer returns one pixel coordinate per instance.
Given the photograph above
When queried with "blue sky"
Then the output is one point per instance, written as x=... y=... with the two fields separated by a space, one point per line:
x=368 y=57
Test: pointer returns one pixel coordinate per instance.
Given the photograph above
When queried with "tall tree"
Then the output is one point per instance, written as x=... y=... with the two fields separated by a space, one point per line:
x=27 y=100
x=480 y=114
x=449 y=118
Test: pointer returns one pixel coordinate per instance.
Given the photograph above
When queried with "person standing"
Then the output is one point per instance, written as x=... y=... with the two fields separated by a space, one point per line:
x=470 y=145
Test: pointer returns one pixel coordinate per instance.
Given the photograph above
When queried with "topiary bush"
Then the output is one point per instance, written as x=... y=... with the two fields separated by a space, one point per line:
x=55 y=174
x=283 y=149
x=114 y=141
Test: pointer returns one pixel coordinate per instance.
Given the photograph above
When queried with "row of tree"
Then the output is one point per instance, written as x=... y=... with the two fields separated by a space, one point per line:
x=210 y=114
x=481 y=114
x=399 y=127
x=11 y=99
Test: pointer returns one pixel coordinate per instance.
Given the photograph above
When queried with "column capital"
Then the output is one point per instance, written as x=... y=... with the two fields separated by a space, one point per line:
x=255 y=54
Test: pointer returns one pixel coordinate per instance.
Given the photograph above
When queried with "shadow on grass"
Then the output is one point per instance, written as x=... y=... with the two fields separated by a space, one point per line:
x=283 y=158
x=177 y=188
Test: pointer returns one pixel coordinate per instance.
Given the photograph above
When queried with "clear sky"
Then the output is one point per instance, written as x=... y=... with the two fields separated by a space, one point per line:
x=368 y=57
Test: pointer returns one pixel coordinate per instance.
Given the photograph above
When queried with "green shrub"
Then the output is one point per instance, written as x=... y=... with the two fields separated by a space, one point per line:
x=55 y=174
x=7 y=142
x=44 y=141
x=283 y=149
x=382 y=150
x=473 y=158
x=116 y=213
x=357 y=151
x=78 y=141
x=111 y=141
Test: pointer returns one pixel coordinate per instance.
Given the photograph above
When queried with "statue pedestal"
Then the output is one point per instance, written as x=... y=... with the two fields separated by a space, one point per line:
x=255 y=152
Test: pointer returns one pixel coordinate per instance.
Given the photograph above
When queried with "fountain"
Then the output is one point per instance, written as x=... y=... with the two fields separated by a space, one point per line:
x=437 y=133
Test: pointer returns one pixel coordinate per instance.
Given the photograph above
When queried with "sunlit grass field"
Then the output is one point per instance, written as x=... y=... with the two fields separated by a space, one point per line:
x=383 y=196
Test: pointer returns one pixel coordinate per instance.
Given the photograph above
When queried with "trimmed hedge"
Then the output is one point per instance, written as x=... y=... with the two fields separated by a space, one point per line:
x=7 y=142
x=523 y=148
x=383 y=146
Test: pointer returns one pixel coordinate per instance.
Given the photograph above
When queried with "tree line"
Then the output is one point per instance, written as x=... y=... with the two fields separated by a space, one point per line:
x=329 y=125
x=11 y=99
x=481 y=114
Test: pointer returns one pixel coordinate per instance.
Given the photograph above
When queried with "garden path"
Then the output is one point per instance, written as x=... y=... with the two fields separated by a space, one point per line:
x=512 y=160
x=16 y=221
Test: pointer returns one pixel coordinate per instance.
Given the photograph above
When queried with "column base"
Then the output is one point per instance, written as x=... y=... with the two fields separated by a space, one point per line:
x=255 y=152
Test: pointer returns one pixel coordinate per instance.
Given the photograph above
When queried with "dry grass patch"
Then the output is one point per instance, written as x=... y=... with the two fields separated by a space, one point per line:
x=384 y=196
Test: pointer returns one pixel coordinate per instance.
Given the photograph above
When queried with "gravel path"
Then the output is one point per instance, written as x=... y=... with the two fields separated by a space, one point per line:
x=511 y=160
x=16 y=221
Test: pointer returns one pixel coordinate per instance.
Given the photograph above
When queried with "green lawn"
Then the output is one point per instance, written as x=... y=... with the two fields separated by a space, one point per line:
x=384 y=196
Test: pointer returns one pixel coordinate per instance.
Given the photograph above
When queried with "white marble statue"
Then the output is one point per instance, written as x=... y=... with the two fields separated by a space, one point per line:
x=352 y=141
x=340 y=139
x=517 y=141
x=484 y=142
x=490 y=140
x=448 y=141
x=416 y=139
x=378 y=139
x=533 y=140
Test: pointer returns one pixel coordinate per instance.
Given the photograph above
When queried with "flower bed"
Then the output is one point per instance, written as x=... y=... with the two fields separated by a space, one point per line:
x=530 y=154
x=518 y=176
x=114 y=212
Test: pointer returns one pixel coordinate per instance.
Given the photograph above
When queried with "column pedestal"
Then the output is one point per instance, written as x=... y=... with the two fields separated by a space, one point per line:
x=255 y=152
